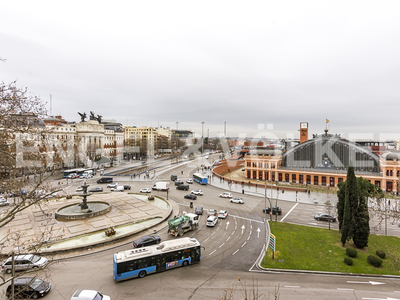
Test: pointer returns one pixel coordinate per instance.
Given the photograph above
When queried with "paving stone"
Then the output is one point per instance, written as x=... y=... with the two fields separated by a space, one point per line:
x=78 y=228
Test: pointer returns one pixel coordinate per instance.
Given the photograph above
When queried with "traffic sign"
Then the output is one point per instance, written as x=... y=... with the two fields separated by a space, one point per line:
x=272 y=240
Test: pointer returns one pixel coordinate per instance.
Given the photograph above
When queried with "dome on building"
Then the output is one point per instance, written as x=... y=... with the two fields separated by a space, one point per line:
x=391 y=156
x=330 y=153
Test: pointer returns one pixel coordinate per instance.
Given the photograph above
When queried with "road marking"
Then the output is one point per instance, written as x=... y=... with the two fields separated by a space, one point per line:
x=235 y=252
x=243 y=228
x=258 y=232
x=221 y=245
x=213 y=233
x=227 y=224
x=367 y=282
x=345 y=289
x=248 y=237
x=251 y=232
x=212 y=252
x=289 y=212
x=228 y=239
x=243 y=244
x=233 y=233
x=251 y=220
x=206 y=240
x=251 y=226
x=235 y=227
x=292 y=286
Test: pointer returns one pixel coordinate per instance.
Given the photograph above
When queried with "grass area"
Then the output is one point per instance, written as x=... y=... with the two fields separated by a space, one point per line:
x=318 y=249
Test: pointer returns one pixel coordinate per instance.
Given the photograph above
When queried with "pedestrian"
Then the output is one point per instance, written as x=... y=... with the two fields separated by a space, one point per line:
x=58 y=183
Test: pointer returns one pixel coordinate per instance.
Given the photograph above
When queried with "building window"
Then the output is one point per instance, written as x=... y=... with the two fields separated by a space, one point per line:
x=315 y=180
x=308 y=178
x=293 y=178
x=300 y=178
x=287 y=177
x=279 y=176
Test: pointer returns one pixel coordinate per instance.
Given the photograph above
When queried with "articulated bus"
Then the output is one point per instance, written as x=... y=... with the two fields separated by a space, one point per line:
x=74 y=171
x=200 y=178
x=167 y=255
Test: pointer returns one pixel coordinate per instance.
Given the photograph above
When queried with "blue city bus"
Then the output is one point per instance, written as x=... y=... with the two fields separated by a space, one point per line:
x=167 y=255
x=200 y=178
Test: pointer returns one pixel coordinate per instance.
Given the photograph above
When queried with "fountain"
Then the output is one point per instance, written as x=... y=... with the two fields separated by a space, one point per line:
x=84 y=209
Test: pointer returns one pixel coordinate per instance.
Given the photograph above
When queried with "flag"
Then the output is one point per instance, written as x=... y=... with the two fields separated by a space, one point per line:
x=327 y=121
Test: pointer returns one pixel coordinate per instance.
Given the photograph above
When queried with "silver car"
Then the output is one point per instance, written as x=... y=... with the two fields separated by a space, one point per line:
x=24 y=262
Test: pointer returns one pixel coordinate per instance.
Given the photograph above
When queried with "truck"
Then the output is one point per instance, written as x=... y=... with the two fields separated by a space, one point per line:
x=161 y=186
x=181 y=224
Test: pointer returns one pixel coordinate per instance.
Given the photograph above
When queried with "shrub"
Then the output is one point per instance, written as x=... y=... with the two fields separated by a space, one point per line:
x=375 y=261
x=381 y=254
x=351 y=252
x=348 y=261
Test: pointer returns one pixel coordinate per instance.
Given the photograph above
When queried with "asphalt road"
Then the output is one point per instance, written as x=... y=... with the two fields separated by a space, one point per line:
x=231 y=250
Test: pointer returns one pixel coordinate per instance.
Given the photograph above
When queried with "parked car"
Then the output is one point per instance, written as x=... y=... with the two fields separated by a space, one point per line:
x=198 y=210
x=237 y=200
x=274 y=210
x=29 y=288
x=79 y=189
x=197 y=192
x=24 y=262
x=212 y=212
x=146 y=240
x=3 y=201
x=112 y=185
x=178 y=182
x=325 y=217
x=72 y=175
x=89 y=295
x=190 y=196
x=189 y=180
x=145 y=190
x=127 y=187
x=211 y=221
x=96 y=190
x=226 y=195
x=222 y=214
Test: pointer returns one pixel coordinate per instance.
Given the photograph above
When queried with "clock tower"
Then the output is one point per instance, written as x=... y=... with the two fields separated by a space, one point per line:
x=303 y=132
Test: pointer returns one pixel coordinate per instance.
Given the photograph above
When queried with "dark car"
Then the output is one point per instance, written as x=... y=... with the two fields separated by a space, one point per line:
x=96 y=190
x=274 y=210
x=183 y=187
x=146 y=240
x=178 y=182
x=198 y=210
x=127 y=187
x=29 y=288
x=325 y=217
x=190 y=196
x=105 y=180
x=174 y=177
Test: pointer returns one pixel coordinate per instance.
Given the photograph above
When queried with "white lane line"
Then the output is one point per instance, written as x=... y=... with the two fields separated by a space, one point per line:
x=212 y=252
x=233 y=233
x=248 y=219
x=221 y=245
x=251 y=226
x=235 y=252
x=339 y=289
x=251 y=232
x=289 y=212
x=206 y=240
x=292 y=286
x=213 y=233
x=228 y=239
x=243 y=244
x=248 y=237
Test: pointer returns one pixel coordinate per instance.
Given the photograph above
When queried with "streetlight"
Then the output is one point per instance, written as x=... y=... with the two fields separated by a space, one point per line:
x=202 y=137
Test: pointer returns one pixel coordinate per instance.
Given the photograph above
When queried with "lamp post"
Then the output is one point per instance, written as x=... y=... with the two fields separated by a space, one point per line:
x=202 y=143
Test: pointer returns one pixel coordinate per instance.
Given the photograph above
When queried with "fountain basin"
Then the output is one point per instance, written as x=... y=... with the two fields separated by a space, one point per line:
x=74 y=211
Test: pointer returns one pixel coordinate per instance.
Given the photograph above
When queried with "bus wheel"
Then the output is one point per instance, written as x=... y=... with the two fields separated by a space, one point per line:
x=185 y=263
x=142 y=274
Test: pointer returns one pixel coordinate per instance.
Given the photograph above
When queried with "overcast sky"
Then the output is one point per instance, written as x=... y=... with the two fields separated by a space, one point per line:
x=260 y=66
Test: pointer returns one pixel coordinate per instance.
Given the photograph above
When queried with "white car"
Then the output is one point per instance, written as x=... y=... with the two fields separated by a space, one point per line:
x=226 y=195
x=79 y=189
x=189 y=180
x=145 y=190
x=89 y=295
x=197 y=192
x=211 y=221
x=3 y=201
x=222 y=214
x=237 y=200
x=118 y=188
x=112 y=185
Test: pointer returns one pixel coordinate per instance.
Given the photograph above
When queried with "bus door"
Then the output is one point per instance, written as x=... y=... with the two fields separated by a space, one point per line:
x=195 y=254
x=160 y=263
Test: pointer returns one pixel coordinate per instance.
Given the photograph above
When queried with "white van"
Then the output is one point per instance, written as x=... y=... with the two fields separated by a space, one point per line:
x=118 y=188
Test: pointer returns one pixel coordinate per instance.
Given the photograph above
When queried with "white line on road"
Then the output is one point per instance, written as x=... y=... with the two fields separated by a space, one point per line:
x=248 y=237
x=233 y=233
x=292 y=286
x=235 y=252
x=289 y=212
x=221 y=245
x=251 y=220
x=212 y=252
x=213 y=233
x=345 y=289
x=228 y=239
x=235 y=227
x=243 y=244
x=206 y=240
